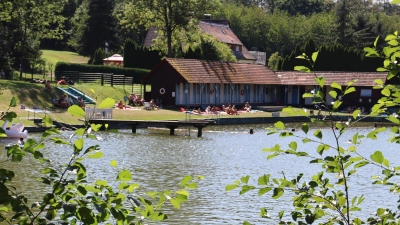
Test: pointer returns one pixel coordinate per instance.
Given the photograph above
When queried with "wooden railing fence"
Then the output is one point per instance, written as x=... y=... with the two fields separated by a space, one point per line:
x=102 y=78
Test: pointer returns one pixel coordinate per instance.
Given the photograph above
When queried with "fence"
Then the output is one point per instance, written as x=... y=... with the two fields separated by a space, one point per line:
x=102 y=78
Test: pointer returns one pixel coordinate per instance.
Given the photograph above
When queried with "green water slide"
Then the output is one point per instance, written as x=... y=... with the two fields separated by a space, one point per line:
x=75 y=93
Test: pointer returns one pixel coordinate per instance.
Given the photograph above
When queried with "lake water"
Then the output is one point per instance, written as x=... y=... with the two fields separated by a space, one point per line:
x=224 y=154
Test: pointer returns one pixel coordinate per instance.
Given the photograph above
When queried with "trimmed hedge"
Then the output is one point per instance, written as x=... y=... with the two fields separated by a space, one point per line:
x=136 y=73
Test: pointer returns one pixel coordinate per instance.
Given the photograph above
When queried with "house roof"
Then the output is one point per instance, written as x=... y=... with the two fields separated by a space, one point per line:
x=115 y=57
x=150 y=36
x=223 y=33
x=200 y=71
x=204 y=71
x=301 y=78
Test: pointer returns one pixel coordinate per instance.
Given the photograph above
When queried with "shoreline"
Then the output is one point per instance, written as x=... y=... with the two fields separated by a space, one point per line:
x=377 y=121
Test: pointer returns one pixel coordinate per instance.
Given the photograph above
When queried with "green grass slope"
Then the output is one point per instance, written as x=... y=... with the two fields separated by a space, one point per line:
x=52 y=56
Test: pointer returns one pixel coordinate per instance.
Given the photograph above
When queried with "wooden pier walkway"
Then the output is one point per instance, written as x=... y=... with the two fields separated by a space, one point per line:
x=171 y=124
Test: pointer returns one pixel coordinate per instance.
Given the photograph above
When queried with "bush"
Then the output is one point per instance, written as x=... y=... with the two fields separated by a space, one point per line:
x=137 y=73
x=68 y=197
x=98 y=57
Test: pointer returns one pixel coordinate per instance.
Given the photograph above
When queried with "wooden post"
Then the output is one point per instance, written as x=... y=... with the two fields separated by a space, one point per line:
x=102 y=79
x=134 y=128
x=112 y=80
x=199 y=129
x=172 y=128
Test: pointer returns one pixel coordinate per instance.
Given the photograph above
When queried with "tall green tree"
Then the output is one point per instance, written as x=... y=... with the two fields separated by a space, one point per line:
x=98 y=57
x=357 y=26
x=23 y=23
x=129 y=53
x=100 y=27
x=302 y=7
x=68 y=12
x=168 y=16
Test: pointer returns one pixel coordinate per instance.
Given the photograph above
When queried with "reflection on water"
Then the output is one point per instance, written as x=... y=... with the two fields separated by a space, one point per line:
x=224 y=154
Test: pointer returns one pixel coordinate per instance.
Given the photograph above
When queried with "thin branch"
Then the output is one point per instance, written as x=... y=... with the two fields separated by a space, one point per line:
x=54 y=190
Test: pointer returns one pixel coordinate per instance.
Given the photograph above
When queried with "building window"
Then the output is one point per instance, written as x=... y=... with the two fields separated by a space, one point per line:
x=237 y=48
x=366 y=93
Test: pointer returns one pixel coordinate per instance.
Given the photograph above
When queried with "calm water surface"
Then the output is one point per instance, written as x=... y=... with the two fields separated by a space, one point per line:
x=224 y=154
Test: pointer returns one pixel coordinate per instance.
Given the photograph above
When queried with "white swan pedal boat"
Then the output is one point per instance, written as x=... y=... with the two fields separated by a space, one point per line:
x=11 y=145
x=15 y=131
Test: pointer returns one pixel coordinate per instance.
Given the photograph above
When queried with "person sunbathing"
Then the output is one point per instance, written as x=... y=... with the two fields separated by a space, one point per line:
x=153 y=105
x=247 y=107
x=198 y=111
x=234 y=110
x=139 y=101
x=62 y=82
x=81 y=103
x=47 y=86
x=121 y=105
x=62 y=101
x=132 y=99
x=228 y=110
x=158 y=103
x=208 y=109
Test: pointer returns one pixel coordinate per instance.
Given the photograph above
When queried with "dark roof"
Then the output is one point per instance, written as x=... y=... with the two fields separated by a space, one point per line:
x=150 y=36
x=238 y=55
x=224 y=22
x=343 y=78
x=200 y=71
x=221 y=32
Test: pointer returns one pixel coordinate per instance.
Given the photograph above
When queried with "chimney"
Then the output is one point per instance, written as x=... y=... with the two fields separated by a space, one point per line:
x=207 y=16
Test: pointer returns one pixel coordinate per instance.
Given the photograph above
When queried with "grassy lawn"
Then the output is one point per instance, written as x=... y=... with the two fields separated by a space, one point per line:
x=52 y=56
x=30 y=94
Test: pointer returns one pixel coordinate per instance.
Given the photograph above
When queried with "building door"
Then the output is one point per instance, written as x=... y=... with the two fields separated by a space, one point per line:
x=302 y=90
x=295 y=95
x=282 y=95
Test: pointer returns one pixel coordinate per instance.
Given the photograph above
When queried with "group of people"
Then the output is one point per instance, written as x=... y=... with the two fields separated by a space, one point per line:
x=135 y=100
x=230 y=110
x=66 y=101
x=351 y=109
x=227 y=108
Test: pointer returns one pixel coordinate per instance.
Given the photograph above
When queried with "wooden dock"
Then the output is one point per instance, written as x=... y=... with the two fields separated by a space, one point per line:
x=171 y=124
